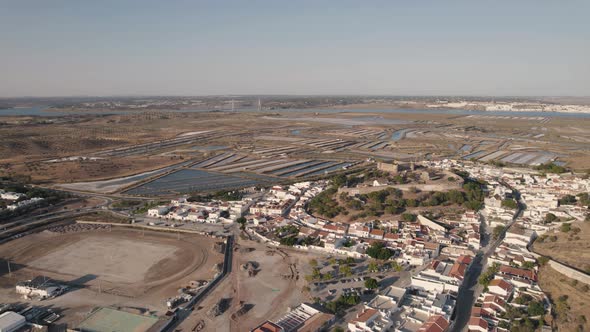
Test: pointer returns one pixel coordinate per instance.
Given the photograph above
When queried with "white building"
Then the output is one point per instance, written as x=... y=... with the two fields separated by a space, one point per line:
x=40 y=287
x=10 y=195
x=158 y=211
x=369 y=320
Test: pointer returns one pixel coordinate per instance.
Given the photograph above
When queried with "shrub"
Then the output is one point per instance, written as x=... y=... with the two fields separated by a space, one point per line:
x=409 y=217
x=379 y=251
x=371 y=283
x=543 y=260
x=509 y=204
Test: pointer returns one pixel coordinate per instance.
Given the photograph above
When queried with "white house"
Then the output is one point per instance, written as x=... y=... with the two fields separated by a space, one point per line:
x=158 y=211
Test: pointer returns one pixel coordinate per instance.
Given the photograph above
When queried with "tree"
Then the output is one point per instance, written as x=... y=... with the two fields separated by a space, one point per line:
x=498 y=231
x=567 y=200
x=409 y=217
x=550 y=217
x=339 y=180
x=316 y=274
x=535 y=308
x=373 y=266
x=338 y=329
x=288 y=241
x=509 y=204
x=565 y=227
x=379 y=251
x=242 y=221
x=313 y=262
x=528 y=265
x=584 y=199
x=371 y=283
x=345 y=270
x=523 y=299
x=551 y=168
x=396 y=267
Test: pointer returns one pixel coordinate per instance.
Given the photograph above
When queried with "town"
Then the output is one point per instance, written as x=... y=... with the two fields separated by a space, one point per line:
x=439 y=253
x=294 y=166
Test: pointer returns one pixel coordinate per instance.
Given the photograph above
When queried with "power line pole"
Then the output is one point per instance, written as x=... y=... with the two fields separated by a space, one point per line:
x=9 y=271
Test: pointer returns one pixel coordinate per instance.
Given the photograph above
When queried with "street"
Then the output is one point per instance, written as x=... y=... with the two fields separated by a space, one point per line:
x=470 y=288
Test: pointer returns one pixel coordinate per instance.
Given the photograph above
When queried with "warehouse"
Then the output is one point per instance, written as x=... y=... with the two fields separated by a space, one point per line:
x=11 y=321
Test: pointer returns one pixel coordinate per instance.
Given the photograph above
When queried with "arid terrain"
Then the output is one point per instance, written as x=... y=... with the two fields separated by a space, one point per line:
x=77 y=150
x=128 y=268
x=570 y=299
x=571 y=248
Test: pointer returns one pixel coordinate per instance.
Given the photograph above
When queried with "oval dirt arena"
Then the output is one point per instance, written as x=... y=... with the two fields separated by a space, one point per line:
x=126 y=262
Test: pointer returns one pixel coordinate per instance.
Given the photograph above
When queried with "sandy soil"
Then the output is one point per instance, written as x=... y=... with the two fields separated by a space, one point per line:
x=122 y=267
x=269 y=294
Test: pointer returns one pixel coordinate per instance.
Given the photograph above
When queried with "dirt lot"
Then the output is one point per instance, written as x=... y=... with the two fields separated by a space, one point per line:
x=268 y=293
x=569 y=248
x=556 y=285
x=120 y=267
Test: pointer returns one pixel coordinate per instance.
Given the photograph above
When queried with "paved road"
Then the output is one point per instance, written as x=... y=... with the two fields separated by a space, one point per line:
x=470 y=289
x=185 y=311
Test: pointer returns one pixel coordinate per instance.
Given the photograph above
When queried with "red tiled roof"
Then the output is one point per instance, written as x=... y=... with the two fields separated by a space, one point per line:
x=364 y=316
x=477 y=321
x=528 y=274
x=458 y=270
x=392 y=236
x=377 y=232
x=479 y=312
x=431 y=245
x=267 y=326
x=505 y=285
x=331 y=227
x=464 y=259
x=436 y=323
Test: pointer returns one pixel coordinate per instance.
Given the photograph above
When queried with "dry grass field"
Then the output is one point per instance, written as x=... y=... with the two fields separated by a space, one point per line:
x=569 y=248
x=576 y=296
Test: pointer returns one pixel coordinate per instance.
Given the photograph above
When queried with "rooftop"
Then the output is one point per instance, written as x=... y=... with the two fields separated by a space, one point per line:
x=267 y=326
x=112 y=320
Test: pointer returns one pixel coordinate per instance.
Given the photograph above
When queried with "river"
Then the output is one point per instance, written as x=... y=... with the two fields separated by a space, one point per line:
x=43 y=110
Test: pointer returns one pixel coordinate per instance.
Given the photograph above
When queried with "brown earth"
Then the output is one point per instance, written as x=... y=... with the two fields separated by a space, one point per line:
x=556 y=285
x=570 y=248
x=121 y=273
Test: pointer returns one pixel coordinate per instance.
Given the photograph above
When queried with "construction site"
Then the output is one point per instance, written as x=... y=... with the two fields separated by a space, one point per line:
x=264 y=283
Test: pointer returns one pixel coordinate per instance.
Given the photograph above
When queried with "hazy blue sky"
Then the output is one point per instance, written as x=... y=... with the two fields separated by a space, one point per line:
x=53 y=47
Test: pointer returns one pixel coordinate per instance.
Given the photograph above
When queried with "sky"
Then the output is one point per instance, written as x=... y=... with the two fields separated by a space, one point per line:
x=124 y=47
